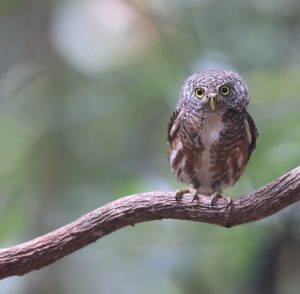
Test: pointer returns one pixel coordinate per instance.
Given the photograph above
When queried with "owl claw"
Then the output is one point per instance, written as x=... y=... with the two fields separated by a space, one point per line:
x=195 y=196
x=219 y=194
x=180 y=192
x=228 y=201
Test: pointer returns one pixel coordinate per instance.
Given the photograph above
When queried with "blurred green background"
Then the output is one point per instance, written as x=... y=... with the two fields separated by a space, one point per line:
x=86 y=91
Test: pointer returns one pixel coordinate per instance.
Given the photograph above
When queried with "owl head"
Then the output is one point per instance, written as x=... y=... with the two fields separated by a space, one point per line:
x=214 y=91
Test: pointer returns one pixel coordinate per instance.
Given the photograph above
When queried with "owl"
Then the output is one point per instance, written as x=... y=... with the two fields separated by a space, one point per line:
x=211 y=135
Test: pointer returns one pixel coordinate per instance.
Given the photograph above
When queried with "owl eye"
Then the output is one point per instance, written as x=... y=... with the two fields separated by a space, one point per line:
x=224 y=90
x=199 y=92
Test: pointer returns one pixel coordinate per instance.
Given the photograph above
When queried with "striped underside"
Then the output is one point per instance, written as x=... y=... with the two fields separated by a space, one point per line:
x=210 y=152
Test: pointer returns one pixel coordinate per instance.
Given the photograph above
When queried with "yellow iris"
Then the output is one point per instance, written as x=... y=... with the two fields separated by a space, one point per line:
x=199 y=92
x=224 y=90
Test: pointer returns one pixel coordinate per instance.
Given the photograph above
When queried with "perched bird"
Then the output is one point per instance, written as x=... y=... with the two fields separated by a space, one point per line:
x=211 y=136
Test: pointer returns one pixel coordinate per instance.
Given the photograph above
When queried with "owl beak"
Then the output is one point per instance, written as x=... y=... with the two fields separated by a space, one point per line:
x=212 y=104
x=211 y=100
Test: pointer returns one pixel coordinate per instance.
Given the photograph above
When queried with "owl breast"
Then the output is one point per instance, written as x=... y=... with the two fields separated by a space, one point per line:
x=211 y=153
x=210 y=135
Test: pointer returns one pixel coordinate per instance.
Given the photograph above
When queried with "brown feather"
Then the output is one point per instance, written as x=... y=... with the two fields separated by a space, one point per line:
x=173 y=120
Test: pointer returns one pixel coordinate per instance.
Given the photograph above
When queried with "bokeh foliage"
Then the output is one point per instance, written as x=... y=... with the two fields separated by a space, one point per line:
x=86 y=90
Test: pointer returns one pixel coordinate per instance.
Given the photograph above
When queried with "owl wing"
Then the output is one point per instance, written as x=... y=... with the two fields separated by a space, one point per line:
x=251 y=133
x=173 y=125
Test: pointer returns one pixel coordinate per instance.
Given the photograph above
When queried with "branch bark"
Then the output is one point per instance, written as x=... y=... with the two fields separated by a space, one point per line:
x=130 y=210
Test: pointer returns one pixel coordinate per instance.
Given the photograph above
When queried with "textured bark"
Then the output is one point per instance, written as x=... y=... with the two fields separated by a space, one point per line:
x=130 y=210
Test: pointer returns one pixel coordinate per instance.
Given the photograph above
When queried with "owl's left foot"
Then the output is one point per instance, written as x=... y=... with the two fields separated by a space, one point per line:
x=182 y=191
x=219 y=194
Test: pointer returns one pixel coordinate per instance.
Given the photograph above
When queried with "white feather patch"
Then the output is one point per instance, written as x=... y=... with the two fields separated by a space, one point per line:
x=210 y=133
x=248 y=133
x=175 y=151
x=175 y=125
x=211 y=130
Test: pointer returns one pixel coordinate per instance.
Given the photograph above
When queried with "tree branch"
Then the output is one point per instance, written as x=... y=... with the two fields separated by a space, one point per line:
x=130 y=210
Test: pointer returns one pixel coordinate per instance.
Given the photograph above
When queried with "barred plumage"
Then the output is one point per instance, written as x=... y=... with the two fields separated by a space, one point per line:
x=212 y=137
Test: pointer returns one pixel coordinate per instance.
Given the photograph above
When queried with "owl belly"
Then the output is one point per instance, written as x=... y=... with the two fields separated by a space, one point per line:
x=222 y=162
x=208 y=170
x=203 y=172
x=204 y=175
x=218 y=171
x=213 y=165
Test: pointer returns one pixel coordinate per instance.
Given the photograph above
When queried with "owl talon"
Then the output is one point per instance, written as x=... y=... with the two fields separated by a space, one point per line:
x=219 y=194
x=195 y=196
x=182 y=191
x=228 y=202
x=214 y=198
x=179 y=193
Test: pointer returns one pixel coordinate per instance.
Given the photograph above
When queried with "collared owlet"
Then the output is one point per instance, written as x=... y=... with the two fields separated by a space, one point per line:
x=211 y=135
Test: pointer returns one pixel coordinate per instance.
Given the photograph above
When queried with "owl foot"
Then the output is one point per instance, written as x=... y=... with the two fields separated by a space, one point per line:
x=219 y=194
x=182 y=191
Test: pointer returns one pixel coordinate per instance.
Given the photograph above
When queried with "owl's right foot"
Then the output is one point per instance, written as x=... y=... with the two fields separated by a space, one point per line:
x=182 y=191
